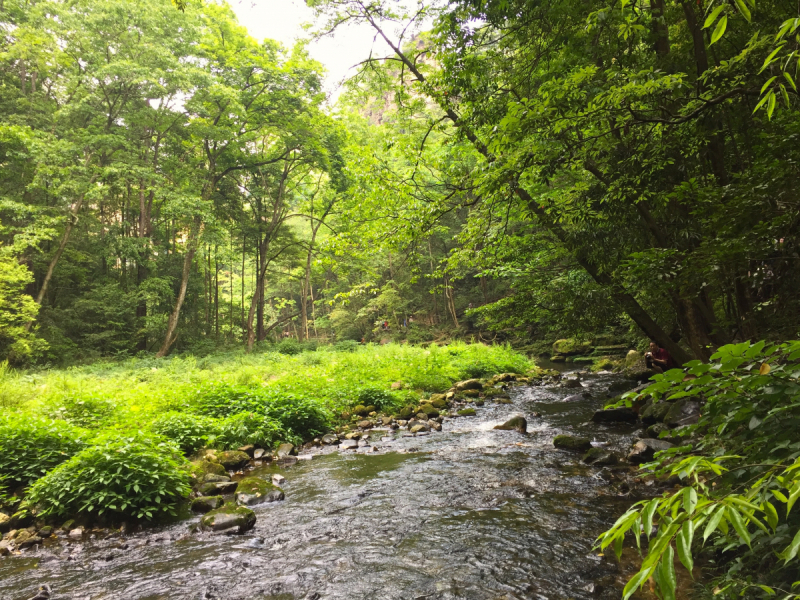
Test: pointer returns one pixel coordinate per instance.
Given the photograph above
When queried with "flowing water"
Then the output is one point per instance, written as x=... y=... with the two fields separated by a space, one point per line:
x=470 y=512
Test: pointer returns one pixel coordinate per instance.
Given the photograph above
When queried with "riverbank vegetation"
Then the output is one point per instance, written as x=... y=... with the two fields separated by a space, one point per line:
x=112 y=438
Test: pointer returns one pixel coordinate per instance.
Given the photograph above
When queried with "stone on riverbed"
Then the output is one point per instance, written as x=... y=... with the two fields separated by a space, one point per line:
x=644 y=450
x=419 y=427
x=571 y=383
x=253 y=490
x=577 y=397
x=214 y=478
x=278 y=479
x=232 y=459
x=600 y=456
x=469 y=384
x=571 y=442
x=5 y=522
x=466 y=412
x=285 y=450
x=348 y=445
x=330 y=438
x=230 y=518
x=429 y=410
x=364 y=424
x=514 y=424
x=205 y=504
x=623 y=414
x=206 y=467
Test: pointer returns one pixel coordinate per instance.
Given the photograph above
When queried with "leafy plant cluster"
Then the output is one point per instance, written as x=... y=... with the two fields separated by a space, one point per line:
x=740 y=470
x=139 y=476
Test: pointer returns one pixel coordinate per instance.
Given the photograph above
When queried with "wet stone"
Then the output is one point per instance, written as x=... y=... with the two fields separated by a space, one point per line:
x=226 y=487
x=76 y=534
x=350 y=444
x=259 y=453
x=278 y=479
x=514 y=424
x=573 y=443
x=644 y=450
x=229 y=519
x=330 y=438
x=285 y=450
x=615 y=415
x=205 y=504
x=232 y=459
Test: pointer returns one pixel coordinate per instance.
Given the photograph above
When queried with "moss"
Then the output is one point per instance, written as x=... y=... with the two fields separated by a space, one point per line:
x=466 y=412
x=429 y=410
x=571 y=347
x=359 y=410
x=255 y=485
x=569 y=442
x=232 y=459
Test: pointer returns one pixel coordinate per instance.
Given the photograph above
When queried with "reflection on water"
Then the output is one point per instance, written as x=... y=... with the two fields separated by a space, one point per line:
x=467 y=513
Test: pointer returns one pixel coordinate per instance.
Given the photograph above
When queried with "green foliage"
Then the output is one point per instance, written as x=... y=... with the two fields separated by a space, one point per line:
x=299 y=415
x=741 y=479
x=84 y=410
x=188 y=431
x=31 y=446
x=17 y=309
x=134 y=476
x=382 y=399
x=250 y=428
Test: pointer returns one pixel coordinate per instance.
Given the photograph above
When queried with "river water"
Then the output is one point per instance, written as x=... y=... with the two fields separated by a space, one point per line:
x=470 y=512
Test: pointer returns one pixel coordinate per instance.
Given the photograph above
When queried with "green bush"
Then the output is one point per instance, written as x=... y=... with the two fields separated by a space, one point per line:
x=299 y=415
x=223 y=400
x=248 y=428
x=381 y=399
x=30 y=446
x=289 y=346
x=139 y=476
x=188 y=431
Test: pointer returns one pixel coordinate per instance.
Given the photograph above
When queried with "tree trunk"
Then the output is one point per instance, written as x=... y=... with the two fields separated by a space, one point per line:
x=172 y=323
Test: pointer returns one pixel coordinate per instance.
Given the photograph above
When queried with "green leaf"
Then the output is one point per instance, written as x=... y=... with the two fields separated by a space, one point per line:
x=788 y=77
x=770 y=104
x=689 y=500
x=719 y=30
x=771 y=514
x=684 y=543
x=743 y=9
x=785 y=95
x=667 y=581
x=768 y=60
x=647 y=516
x=713 y=16
x=635 y=583
x=713 y=522
x=791 y=550
x=738 y=524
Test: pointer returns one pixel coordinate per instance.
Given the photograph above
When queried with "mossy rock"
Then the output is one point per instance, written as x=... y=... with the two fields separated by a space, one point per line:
x=206 y=467
x=229 y=518
x=466 y=412
x=600 y=457
x=205 y=504
x=406 y=412
x=514 y=424
x=429 y=410
x=471 y=393
x=253 y=490
x=503 y=400
x=558 y=358
x=360 y=410
x=468 y=384
x=503 y=378
x=232 y=459
x=571 y=347
x=573 y=443
x=439 y=401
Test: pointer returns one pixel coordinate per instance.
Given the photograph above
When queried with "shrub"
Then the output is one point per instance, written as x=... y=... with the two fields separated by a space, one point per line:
x=189 y=432
x=29 y=447
x=248 y=428
x=289 y=346
x=223 y=400
x=381 y=399
x=299 y=415
x=139 y=476
x=345 y=346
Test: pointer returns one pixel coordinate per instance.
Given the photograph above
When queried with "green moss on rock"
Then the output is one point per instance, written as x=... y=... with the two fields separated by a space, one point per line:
x=253 y=490
x=573 y=443
x=466 y=412
x=229 y=518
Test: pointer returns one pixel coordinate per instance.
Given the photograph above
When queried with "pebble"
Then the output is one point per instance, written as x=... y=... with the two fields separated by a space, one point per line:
x=278 y=479
x=76 y=533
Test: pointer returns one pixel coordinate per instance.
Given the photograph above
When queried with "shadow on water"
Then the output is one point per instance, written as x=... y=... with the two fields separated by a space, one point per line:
x=471 y=512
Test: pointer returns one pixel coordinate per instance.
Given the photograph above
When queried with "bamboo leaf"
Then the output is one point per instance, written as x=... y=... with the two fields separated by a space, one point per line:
x=635 y=583
x=770 y=104
x=743 y=9
x=713 y=522
x=738 y=524
x=684 y=543
x=791 y=550
x=713 y=16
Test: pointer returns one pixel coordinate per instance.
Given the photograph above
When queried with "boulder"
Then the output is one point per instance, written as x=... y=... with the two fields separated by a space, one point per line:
x=654 y=412
x=577 y=397
x=232 y=459
x=655 y=430
x=76 y=534
x=226 y=487
x=360 y=410
x=503 y=378
x=514 y=424
x=644 y=450
x=632 y=359
x=466 y=412
x=386 y=421
x=573 y=443
x=418 y=428
x=600 y=457
x=354 y=435
x=469 y=384
x=214 y=478
x=571 y=383
x=364 y=424
x=406 y=412
x=571 y=347
x=558 y=358
x=438 y=401
x=623 y=414
x=248 y=449
x=278 y=479
x=348 y=445
x=330 y=438
x=618 y=387
x=45 y=532
x=683 y=412
x=5 y=548
x=285 y=450
x=205 y=504
x=206 y=466
x=229 y=518
x=420 y=416
x=5 y=522
x=429 y=410
x=435 y=426
x=261 y=453
x=253 y=490
x=31 y=540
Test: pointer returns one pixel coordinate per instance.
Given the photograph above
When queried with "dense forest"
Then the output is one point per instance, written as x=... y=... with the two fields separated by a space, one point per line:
x=507 y=174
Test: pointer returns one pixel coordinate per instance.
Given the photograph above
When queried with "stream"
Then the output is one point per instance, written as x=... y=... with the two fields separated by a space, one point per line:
x=469 y=512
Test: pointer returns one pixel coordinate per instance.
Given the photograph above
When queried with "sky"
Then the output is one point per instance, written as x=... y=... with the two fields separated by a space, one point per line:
x=282 y=20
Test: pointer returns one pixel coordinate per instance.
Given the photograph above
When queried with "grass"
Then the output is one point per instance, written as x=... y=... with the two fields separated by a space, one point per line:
x=177 y=405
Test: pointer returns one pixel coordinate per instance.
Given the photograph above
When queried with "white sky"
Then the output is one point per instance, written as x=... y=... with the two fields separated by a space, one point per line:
x=282 y=20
